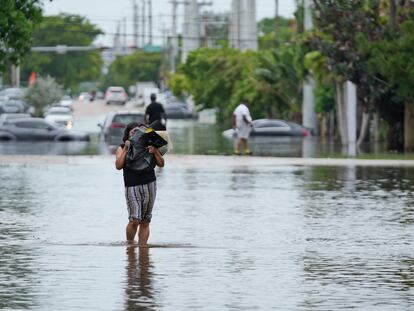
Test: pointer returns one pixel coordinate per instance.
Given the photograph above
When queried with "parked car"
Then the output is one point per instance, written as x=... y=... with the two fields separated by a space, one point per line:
x=36 y=129
x=273 y=127
x=66 y=101
x=84 y=96
x=112 y=129
x=11 y=93
x=116 y=95
x=13 y=106
x=10 y=116
x=177 y=111
x=60 y=116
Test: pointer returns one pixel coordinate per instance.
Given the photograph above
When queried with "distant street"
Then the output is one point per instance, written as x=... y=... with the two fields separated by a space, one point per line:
x=99 y=108
x=87 y=115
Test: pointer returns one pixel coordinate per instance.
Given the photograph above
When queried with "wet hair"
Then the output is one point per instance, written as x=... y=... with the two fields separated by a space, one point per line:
x=153 y=96
x=128 y=129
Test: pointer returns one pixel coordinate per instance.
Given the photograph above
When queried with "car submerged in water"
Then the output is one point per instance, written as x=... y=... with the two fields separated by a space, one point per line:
x=273 y=127
x=37 y=129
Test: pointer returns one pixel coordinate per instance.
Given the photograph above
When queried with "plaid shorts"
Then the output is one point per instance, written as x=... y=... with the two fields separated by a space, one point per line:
x=140 y=201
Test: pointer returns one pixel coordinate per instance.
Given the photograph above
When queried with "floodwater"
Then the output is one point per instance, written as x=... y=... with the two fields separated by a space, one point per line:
x=188 y=137
x=228 y=237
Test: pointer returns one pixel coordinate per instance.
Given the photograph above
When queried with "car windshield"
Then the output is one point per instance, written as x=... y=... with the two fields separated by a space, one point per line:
x=127 y=118
x=59 y=112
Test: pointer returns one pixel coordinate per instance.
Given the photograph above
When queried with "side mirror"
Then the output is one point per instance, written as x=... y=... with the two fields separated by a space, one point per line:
x=100 y=125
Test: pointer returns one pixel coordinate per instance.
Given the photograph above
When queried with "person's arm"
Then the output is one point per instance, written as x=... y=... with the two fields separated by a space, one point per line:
x=159 y=159
x=247 y=119
x=120 y=156
x=234 y=121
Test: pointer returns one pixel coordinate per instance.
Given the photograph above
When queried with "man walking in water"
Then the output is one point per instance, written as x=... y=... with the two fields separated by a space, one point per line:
x=242 y=124
x=155 y=112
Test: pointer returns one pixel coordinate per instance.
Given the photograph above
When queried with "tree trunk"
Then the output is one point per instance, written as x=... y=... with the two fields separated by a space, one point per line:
x=364 y=127
x=375 y=126
x=341 y=114
x=331 y=124
x=409 y=125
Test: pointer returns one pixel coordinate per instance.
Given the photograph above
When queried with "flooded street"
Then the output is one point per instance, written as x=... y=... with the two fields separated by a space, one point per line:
x=226 y=234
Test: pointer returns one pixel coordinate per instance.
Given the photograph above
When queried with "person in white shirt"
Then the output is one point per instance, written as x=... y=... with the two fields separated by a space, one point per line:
x=242 y=124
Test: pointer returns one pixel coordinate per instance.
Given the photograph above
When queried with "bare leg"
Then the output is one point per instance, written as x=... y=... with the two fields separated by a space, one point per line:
x=238 y=145
x=131 y=230
x=143 y=233
x=246 y=146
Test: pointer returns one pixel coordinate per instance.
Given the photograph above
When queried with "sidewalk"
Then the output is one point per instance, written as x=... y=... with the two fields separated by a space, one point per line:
x=207 y=161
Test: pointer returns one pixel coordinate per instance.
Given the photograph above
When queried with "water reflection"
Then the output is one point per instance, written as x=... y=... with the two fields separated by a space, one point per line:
x=357 y=237
x=18 y=276
x=139 y=289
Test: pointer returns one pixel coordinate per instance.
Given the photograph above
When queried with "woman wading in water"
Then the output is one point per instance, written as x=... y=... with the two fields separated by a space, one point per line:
x=140 y=189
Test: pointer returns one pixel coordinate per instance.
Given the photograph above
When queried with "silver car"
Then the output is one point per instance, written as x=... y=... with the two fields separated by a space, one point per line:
x=116 y=95
x=37 y=129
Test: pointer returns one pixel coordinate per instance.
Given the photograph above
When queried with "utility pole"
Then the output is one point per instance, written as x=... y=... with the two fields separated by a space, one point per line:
x=125 y=34
x=276 y=17
x=150 y=21
x=174 y=40
x=308 y=104
x=143 y=22
x=135 y=19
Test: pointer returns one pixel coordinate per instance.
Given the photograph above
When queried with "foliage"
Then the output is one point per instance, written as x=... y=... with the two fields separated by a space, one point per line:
x=273 y=34
x=392 y=57
x=140 y=66
x=73 y=67
x=339 y=57
x=43 y=93
x=17 y=20
x=221 y=78
x=280 y=75
x=269 y=79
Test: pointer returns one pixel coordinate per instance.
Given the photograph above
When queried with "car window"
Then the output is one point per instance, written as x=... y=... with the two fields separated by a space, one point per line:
x=32 y=125
x=127 y=118
x=59 y=112
x=270 y=123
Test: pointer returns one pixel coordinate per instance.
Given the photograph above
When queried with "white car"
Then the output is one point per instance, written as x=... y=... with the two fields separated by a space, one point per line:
x=61 y=116
x=66 y=101
x=116 y=95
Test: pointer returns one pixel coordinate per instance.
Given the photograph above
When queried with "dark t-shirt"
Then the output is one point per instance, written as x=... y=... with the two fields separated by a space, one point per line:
x=133 y=178
x=154 y=111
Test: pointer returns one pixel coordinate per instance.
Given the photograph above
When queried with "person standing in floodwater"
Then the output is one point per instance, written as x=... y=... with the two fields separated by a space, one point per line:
x=155 y=114
x=242 y=124
x=140 y=189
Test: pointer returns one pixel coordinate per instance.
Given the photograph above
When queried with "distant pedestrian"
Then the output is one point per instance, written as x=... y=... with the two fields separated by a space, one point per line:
x=242 y=124
x=155 y=112
x=140 y=188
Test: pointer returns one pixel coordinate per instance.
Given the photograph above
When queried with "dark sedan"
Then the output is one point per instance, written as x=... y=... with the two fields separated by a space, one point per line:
x=273 y=127
x=112 y=129
x=177 y=110
x=37 y=129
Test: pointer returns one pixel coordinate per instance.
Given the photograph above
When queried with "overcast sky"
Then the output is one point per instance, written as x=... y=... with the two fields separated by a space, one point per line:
x=107 y=13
